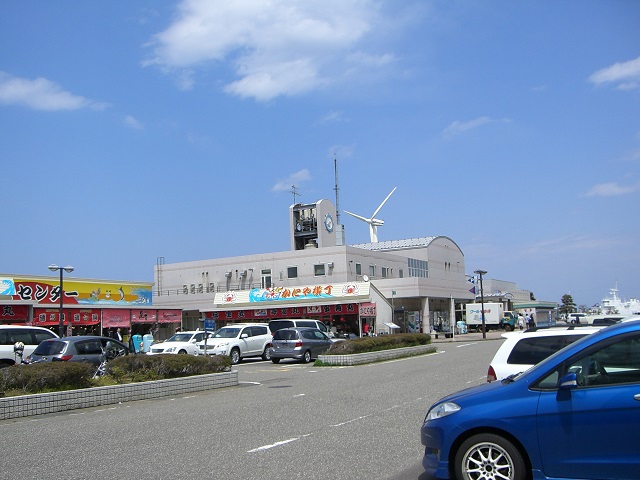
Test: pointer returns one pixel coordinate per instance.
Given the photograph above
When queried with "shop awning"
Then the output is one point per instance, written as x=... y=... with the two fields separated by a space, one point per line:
x=391 y=325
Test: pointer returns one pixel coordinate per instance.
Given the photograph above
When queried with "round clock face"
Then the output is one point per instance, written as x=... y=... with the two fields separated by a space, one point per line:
x=328 y=223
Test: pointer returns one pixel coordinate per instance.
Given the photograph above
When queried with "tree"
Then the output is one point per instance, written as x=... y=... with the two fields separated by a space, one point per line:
x=568 y=305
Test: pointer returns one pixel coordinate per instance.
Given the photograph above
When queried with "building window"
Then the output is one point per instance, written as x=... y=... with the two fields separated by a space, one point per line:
x=400 y=273
x=292 y=272
x=265 y=278
x=358 y=269
x=318 y=270
x=418 y=268
x=386 y=272
x=372 y=271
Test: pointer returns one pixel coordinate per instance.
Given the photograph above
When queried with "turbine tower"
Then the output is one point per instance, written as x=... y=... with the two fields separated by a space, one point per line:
x=373 y=222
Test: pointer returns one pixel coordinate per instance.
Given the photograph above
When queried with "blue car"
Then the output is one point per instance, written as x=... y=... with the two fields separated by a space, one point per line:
x=574 y=415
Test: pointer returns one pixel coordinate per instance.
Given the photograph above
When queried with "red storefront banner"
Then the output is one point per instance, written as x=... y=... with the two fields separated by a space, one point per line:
x=266 y=314
x=50 y=316
x=14 y=313
x=116 y=317
x=143 y=316
x=169 y=316
x=85 y=316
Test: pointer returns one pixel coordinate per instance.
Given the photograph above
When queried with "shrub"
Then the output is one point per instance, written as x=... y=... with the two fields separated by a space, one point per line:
x=140 y=368
x=381 y=342
x=46 y=377
x=58 y=376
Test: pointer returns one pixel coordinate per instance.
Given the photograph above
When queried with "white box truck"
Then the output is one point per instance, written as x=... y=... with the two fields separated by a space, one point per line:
x=493 y=313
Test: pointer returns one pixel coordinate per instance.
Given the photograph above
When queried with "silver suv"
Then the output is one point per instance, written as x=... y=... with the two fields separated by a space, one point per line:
x=238 y=341
x=29 y=336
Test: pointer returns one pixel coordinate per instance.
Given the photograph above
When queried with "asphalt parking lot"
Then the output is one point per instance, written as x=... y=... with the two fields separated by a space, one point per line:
x=467 y=337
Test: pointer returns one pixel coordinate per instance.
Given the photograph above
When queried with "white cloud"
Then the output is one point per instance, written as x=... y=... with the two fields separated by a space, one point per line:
x=132 y=122
x=293 y=179
x=458 y=127
x=626 y=75
x=276 y=47
x=335 y=116
x=611 y=189
x=41 y=94
x=570 y=243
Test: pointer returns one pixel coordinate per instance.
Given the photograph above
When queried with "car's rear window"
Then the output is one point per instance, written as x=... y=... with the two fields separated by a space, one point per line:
x=275 y=325
x=306 y=323
x=285 y=335
x=49 y=348
x=530 y=351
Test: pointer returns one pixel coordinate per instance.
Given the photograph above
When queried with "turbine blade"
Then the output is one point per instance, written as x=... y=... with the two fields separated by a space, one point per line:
x=359 y=217
x=383 y=202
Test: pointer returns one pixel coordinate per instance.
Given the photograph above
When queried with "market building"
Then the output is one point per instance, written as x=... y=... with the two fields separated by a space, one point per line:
x=393 y=286
x=88 y=305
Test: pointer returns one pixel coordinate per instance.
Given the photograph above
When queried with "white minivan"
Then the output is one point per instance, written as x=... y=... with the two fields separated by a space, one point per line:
x=29 y=336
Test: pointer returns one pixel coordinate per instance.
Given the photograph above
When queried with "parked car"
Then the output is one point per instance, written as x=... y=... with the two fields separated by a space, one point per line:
x=82 y=348
x=577 y=318
x=29 y=336
x=299 y=343
x=606 y=319
x=180 y=343
x=275 y=325
x=522 y=350
x=238 y=341
x=573 y=415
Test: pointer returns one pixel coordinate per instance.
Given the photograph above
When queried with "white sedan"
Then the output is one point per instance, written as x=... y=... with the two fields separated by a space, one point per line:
x=180 y=343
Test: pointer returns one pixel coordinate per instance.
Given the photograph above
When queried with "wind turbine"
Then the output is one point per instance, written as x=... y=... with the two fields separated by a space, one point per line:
x=373 y=222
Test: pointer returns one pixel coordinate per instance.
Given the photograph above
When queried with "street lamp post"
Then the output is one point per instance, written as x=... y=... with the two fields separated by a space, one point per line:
x=68 y=269
x=484 y=326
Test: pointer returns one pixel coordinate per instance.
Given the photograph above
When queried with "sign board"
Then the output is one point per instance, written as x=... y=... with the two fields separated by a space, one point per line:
x=367 y=309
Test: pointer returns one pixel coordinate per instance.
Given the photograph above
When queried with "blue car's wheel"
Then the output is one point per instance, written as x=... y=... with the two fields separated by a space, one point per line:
x=490 y=457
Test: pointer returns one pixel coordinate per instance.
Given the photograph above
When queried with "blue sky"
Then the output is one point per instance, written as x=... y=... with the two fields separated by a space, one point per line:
x=133 y=130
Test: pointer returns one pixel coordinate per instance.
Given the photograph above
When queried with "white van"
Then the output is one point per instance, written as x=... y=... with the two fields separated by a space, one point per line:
x=577 y=318
x=275 y=325
x=29 y=336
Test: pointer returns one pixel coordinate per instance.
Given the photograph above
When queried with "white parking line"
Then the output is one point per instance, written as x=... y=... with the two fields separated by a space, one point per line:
x=350 y=421
x=277 y=444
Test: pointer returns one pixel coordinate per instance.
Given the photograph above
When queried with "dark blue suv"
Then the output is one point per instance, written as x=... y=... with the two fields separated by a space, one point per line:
x=574 y=415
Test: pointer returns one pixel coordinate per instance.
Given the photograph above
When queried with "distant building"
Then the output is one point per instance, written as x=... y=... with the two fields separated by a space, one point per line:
x=401 y=285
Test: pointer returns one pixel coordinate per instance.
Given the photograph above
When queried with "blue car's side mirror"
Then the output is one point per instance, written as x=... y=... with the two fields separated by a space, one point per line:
x=569 y=381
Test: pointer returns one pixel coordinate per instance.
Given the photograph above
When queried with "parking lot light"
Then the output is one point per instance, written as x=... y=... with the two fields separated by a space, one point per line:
x=68 y=269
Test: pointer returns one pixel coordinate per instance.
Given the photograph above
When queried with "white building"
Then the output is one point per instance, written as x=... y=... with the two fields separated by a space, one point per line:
x=421 y=279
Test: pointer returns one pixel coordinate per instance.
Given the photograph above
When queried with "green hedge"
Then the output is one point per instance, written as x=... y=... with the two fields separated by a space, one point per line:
x=141 y=368
x=381 y=342
x=46 y=377
x=57 y=376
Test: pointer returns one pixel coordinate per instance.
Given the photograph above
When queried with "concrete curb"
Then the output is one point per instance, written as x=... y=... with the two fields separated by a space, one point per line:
x=41 y=403
x=369 y=357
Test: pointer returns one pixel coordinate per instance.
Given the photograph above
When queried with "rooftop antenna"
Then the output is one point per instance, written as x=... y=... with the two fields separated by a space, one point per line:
x=294 y=190
x=337 y=190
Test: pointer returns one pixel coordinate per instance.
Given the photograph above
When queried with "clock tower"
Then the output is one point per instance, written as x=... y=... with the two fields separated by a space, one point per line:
x=313 y=225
